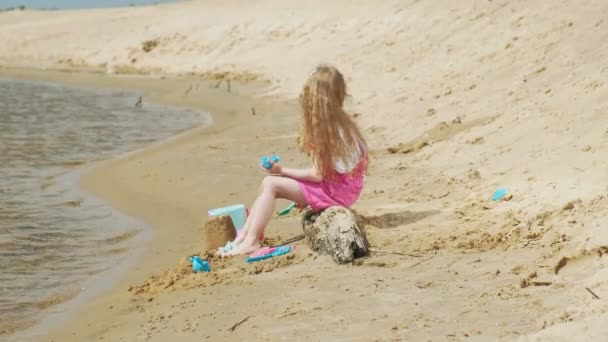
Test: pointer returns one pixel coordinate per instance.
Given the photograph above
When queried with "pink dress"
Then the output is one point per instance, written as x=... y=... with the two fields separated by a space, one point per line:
x=343 y=190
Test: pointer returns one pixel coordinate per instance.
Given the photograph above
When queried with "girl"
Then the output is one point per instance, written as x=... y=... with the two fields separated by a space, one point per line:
x=338 y=152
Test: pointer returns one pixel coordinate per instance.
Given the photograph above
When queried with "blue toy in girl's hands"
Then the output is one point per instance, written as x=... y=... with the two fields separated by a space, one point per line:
x=199 y=265
x=268 y=161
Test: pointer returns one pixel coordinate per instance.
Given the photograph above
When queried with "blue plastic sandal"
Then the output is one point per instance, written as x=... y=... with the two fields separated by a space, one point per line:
x=274 y=252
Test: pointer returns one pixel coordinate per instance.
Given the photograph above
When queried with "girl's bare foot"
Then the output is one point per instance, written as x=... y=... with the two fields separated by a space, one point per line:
x=227 y=248
x=244 y=248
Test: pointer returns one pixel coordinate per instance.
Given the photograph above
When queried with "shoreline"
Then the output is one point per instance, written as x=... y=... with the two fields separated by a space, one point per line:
x=213 y=123
x=99 y=283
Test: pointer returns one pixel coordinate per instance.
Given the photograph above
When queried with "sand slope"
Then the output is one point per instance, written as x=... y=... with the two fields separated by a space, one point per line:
x=457 y=99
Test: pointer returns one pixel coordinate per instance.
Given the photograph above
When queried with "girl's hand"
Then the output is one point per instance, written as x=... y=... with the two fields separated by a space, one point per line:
x=274 y=170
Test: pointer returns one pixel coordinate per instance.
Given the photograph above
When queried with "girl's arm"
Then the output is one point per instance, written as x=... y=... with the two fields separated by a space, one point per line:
x=310 y=174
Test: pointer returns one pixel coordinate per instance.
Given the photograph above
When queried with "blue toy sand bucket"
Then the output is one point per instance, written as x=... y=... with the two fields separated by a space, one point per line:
x=238 y=214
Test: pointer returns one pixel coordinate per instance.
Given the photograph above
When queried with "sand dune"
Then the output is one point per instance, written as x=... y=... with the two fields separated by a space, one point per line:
x=457 y=99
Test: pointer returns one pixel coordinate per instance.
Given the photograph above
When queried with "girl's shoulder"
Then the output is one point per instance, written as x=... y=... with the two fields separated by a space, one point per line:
x=352 y=161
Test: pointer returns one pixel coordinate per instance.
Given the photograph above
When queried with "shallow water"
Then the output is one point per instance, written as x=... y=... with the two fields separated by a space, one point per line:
x=74 y=4
x=53 y=237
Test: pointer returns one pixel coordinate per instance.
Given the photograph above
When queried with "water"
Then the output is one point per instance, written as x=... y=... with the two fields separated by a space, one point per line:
x=74 y=4
x=53 y=237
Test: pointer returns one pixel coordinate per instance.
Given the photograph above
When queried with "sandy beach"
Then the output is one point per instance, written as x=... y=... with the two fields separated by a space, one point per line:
x=456 y=100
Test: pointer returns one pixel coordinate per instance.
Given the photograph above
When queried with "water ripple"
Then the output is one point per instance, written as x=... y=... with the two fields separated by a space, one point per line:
x=51 y=235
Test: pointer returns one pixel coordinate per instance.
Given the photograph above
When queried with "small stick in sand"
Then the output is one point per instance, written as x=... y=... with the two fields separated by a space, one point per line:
x=444 y=195
x=232 y=328
x=228 y=85
x=253 y=111
x=373 y=249
x=421 y=261
x=541 y=283
x=293 y=240
x=592 y=293
x=189 y=90
x=139 y=102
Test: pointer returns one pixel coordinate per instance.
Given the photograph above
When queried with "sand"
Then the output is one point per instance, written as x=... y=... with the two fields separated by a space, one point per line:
x=456 y=99
x=216 y=232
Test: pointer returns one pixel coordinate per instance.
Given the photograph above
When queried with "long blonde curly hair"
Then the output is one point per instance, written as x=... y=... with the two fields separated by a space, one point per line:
x=327 y=133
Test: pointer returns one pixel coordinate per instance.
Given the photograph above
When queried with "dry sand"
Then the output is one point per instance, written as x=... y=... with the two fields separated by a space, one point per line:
x=457 y=99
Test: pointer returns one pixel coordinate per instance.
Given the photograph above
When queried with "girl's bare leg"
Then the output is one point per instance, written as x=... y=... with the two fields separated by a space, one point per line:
x=245 y=229
x=273 y=187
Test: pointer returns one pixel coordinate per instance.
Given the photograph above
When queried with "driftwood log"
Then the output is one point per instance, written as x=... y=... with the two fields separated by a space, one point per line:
x=335 y=232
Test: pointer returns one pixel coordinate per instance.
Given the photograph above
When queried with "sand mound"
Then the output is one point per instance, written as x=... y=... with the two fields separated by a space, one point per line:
x=275 y=263
x=217 y=231
x=224 y=271
x=512 y=229
x=183 y=277
x=442 y=131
